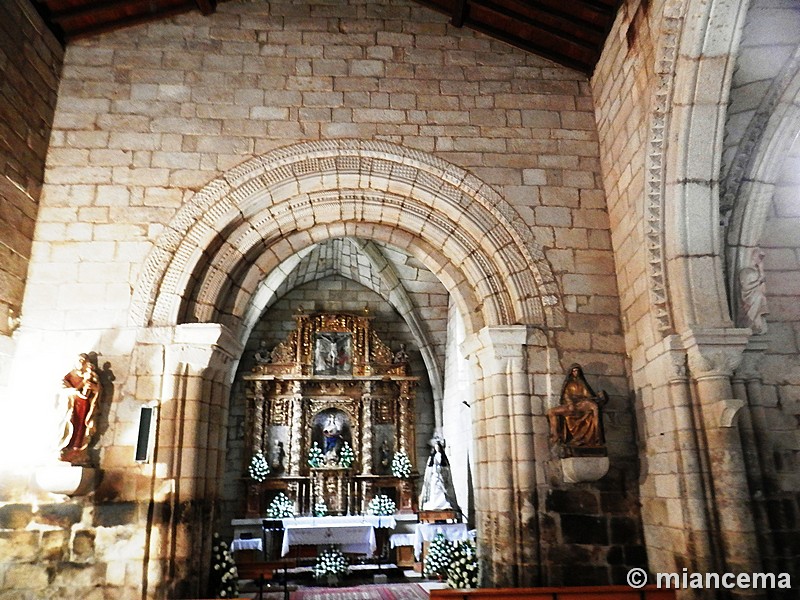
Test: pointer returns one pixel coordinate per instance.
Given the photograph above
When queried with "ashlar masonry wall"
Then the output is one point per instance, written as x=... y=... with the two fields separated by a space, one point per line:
x=148 y=115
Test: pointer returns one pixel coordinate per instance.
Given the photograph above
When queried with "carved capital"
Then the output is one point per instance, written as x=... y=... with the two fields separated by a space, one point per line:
x=715 y=352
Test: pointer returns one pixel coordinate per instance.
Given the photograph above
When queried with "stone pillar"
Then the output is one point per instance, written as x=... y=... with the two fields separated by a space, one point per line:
x=192 y=431
x=713 y=355
x=747 y=386
x=691 y=489
x=506 y=458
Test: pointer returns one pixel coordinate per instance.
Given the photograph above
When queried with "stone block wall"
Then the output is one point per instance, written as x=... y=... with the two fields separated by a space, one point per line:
x=30 y=64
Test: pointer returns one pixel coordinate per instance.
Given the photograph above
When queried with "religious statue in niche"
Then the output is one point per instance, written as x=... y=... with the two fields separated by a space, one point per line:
x=278 y=456
x=330 y=431
x=576 y=422
x=752 y=288
x=438 y=492
x=333 y=354
x=78 y=399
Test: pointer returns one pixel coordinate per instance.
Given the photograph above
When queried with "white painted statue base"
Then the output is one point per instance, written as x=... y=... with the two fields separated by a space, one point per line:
x=579 y=469
x=66 y=479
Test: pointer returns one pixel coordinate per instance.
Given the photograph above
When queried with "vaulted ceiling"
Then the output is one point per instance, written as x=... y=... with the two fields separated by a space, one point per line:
x=571 y=32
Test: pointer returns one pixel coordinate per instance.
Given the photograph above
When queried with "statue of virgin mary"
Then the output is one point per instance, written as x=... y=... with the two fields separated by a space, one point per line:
x=437 y=486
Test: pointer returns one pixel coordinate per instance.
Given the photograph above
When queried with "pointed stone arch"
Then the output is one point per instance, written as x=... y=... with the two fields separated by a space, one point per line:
x=213 y=255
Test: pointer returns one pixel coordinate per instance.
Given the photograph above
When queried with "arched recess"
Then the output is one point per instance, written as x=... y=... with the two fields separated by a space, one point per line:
x=249 y=226
x=211 y=259
x=758 y=164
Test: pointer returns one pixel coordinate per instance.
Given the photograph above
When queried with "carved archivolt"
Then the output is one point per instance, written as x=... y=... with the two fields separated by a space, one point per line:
x=211 y=251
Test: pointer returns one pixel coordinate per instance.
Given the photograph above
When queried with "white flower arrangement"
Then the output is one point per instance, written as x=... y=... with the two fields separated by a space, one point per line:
x=463 y=571
x=315 y=456
x=381 y=506
x=439 y=556
x=258 y=469
x=401 y=465
x=224 y=575
x=320 y=508
x=280 y=507
x=331 y=561
x=346 y=456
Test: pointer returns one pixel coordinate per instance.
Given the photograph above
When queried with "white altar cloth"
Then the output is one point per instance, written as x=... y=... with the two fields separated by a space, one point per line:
x=374 y=520
x=246 y=544
x=351 y=534
x=425 y=532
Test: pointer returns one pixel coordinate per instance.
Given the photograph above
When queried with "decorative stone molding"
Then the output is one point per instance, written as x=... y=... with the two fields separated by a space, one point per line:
x=67 y=480
x=656 y=160
x=580 y=469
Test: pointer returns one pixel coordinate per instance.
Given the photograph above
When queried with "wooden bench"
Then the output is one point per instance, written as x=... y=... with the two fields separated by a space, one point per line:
x=604 y=592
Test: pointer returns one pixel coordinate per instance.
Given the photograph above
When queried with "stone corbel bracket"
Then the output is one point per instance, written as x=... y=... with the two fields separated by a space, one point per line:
x=581 y=469
x=725 y=411
x=67 y=480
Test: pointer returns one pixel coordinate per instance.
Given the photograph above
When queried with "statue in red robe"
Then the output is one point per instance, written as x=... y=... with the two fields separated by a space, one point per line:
x=79 y=395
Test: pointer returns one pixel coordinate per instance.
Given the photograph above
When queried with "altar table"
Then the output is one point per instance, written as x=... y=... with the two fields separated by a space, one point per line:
x=352 y=534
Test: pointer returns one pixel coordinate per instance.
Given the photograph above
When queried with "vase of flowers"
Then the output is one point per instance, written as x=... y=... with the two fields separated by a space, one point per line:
x=224 y=575
x=280 y=507
x=331 y=565
x=258 y=469
x=401 y=465
x=382 y=506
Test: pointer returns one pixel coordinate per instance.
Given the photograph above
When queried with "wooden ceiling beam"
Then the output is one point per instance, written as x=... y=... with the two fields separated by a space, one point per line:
x=459 y=10
x=206 y=7
x=543 y=17
x=114 y=10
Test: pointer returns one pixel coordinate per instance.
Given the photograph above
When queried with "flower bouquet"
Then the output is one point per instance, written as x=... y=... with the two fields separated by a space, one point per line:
x=315 y=456
x=346 y=456
x=438 y=558
x=258 y=469
x=280 y=507
x=331 y=564
x=381 y=506
x=224 y=575
x=463 y=570
x=401 y=465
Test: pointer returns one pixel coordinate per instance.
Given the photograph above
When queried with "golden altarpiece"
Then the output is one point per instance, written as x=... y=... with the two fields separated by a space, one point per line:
x=328 y=408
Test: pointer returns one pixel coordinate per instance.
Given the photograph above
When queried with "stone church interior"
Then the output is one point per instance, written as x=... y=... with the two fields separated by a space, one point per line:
x=357 y=280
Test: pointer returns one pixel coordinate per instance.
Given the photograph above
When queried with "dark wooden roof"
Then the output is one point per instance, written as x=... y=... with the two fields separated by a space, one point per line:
x=569 y=32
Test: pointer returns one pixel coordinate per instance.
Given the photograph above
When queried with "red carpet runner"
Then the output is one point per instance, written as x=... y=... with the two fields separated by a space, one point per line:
x=396 y=591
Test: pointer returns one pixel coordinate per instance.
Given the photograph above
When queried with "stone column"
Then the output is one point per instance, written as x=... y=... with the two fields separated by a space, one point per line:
x=507 y=463
x=480 y=452
x=713 y=355
x=747 y=386
x=198 y=359
x=691 y=489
